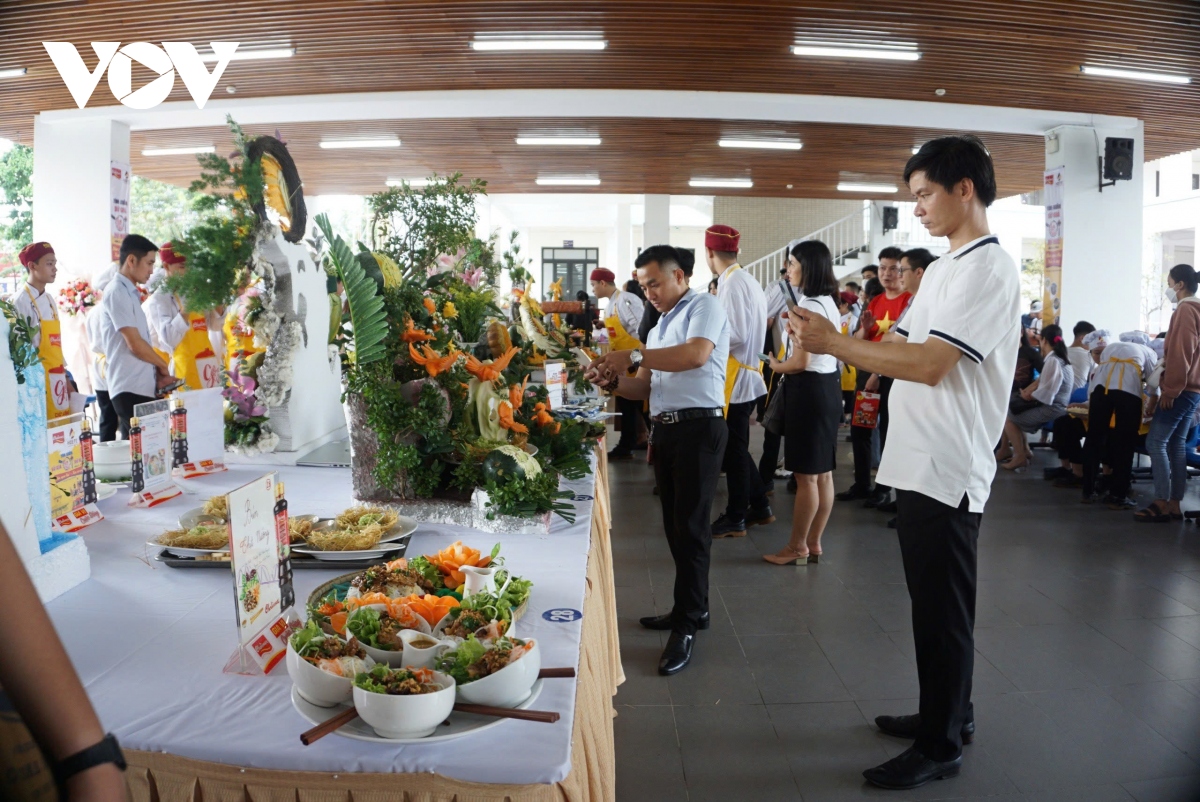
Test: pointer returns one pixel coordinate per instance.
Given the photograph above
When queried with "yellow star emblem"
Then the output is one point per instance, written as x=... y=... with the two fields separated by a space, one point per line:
x=885 y=324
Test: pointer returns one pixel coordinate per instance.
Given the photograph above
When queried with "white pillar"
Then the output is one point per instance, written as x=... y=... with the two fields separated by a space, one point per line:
x=623 y=259
x=657 y=228
x=1102 y=231
x=72 y=190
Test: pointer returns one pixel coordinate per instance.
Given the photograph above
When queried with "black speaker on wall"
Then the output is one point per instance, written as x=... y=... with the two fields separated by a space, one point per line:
x=1118 y=159
x=891 y=218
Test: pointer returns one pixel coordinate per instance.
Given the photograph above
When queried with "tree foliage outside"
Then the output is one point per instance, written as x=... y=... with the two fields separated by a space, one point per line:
x=416 y=226
x=16 y=197
x=159 y=211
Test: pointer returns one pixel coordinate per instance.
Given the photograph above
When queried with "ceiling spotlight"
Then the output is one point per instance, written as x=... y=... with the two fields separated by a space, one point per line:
x=848 y=186
x=522 y=43
x=178 y=151
x=568 y=180
x=558 y=140
x=765 y=144
x=1135 y=75
x=898 y=52
x=253 y=55
x=13 y=73
x=336 y=144
x=722 y=183
x=415 y=183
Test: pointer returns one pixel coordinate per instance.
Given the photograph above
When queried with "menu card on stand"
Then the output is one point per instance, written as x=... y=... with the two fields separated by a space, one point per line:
x=556 y=383
x=72 y=475
x=197 y=433
x=263 y=596
x=150 y=455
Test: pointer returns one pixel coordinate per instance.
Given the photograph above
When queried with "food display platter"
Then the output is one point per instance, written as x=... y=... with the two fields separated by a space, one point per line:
x=339 y=584
x=456 y=726
x=298 y=560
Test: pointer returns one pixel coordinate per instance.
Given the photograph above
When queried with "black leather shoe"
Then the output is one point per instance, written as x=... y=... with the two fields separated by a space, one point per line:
x=728 y=526
x=877 y=498
x=1050 y=474
x=911 y=769
x=907 y=726
x=889 y=506
x=760 y=517
x=677 y=654
x=663 y=622
x=791 y=485
x=853 y=494
x=620 y=453
x=892 y=523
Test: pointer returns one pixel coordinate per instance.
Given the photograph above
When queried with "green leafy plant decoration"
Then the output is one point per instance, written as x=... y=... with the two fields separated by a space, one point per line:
x=367 y=313
x=20 y=340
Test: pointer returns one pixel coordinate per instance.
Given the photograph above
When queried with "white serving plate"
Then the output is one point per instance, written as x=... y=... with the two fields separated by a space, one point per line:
x=194 y=517
x=345 y=556
x=182 y=552
x=458 y=725
x=104 y=491
x=404 y=527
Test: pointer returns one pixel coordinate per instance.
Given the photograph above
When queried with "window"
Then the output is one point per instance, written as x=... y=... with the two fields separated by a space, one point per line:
x=572 y=265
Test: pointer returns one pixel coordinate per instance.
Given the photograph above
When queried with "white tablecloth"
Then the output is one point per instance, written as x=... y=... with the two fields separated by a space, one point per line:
x=150 y=643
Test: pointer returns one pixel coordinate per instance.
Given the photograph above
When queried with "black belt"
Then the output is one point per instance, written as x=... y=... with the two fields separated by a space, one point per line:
x=694 y=413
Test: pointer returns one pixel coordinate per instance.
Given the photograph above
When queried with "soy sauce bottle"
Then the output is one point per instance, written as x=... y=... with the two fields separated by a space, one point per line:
x=137 y=481
x=89 y=466
x=283 y=539
x=179 y=446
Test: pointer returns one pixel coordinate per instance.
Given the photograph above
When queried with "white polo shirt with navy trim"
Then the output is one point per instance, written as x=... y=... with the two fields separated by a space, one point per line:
x=940 y=438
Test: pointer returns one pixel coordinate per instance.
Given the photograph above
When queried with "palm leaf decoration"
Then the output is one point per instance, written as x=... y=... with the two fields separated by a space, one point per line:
x=362 y=294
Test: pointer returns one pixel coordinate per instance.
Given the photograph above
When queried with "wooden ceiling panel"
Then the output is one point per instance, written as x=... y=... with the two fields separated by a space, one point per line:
x=635 y=155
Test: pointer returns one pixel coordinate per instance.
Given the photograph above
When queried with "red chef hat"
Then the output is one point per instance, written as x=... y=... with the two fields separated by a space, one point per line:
x=168 y=255
x=34 y=251
x=722 y=238
x=603 y=274
x=849 y=297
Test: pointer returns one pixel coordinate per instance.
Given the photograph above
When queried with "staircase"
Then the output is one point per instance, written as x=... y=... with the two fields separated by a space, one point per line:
x=848 y=240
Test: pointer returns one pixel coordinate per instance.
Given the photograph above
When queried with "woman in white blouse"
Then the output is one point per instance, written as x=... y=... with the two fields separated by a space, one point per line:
x=1051 y=392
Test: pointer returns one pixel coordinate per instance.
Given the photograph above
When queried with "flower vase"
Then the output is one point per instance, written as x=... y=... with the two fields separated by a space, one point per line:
x=364 y=455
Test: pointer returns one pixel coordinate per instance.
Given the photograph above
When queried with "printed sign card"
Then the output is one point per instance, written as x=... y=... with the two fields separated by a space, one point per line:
x=556 y=383
x=261 y=576
x=150 y=455
x=198 y=433
x=72 y=475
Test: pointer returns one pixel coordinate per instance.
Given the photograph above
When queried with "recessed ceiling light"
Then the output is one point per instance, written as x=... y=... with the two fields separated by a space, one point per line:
x=13 y=73
x=568 y=180
x=898 y=52
x=766 y=144
x=334 y=144
x=848 y=186
x=415 y=183
x=1135 y=75
x=178 y=151
x=253 y=55
x=520 y=43
x=558 y=140
x=722 y=183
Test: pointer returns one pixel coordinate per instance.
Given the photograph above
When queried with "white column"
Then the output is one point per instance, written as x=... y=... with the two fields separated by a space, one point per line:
x=657 y=228
x=72 y=189
x=1102 y=231
x=623 y=259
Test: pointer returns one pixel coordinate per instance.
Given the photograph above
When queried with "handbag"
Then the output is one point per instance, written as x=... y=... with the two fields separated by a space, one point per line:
x=866 y=410
x=774 y=416
x=1017 y=404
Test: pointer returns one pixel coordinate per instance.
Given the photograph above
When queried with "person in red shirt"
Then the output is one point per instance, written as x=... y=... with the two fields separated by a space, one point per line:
x=877 y=320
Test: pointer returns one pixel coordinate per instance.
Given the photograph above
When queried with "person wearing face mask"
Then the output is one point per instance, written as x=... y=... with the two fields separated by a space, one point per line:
x=1179 y=397
x=37 y=306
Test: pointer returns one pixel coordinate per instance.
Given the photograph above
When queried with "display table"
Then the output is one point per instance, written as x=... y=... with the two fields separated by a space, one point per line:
x=150 y=642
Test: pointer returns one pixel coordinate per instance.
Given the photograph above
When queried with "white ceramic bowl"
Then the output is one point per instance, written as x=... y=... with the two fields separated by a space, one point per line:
x=406 y=716
x=509 y=686
x=111 y=460
x=394 y=659
x=319 y=687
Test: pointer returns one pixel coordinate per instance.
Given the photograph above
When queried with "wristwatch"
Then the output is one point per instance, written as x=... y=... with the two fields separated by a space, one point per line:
x=107 y=751
x=635 y=358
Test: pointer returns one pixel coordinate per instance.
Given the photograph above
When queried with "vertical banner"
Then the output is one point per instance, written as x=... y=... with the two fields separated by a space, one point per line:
x=198 y=433
x=150 y=455
x=72 y=477
x=556 y=383
x=1052 y=197
x=257 y=564
x=119 y=193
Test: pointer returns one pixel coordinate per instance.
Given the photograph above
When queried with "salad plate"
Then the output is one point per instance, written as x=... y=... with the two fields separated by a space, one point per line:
x=458 y=725
x=345 y=556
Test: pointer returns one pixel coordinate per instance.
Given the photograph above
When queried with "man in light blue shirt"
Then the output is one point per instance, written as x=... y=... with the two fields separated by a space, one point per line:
x=682 y=373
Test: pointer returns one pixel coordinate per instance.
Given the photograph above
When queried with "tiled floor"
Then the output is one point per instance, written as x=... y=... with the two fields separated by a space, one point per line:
x=1087 y=673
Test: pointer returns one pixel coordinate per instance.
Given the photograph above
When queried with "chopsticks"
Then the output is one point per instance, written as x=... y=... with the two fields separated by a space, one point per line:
x=308 y=737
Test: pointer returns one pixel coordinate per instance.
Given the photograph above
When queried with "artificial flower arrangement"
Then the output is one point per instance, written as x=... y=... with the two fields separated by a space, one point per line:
x=77 y=297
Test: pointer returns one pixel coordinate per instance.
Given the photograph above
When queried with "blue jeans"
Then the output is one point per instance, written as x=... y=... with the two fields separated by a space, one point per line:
x=1167 y=445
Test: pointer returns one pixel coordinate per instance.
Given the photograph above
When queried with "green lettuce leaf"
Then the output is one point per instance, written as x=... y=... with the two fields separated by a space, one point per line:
x=364 y=624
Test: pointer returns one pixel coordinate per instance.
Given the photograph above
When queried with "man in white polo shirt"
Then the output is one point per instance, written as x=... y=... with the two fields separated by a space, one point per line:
x=953 y=371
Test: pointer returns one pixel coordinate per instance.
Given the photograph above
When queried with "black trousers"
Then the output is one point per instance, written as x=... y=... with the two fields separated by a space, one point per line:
x=687 y=464
x=1068 y=439
x=746 y=487
x=885 y=392
x=123 y=404
x=1112 y=445
x=939 y=545
x=860 y=442
x=108 y=417
x=631 y=412
x=769 y=462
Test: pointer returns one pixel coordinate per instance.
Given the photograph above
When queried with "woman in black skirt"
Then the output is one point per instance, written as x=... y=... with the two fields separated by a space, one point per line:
x=812 y=399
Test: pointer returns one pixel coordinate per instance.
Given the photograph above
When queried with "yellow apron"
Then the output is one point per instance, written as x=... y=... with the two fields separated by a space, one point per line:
x=618 y=338
x=237 y=346
x=849 y=372
x=58 y=392
x=732 y=366
x=193 y=359
x=1145 y=427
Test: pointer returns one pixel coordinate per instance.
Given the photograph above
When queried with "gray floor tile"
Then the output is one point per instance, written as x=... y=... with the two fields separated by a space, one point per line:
x=732 y=752
x=827 y=746
x=1175 y=789
x=639 y=658
x=1091 y=793
x=648 y=754
x=792 y=669
x=1165 y=653
x=718 y=675
x=1171 y=710
x=871 y=666
x=1186 y=628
